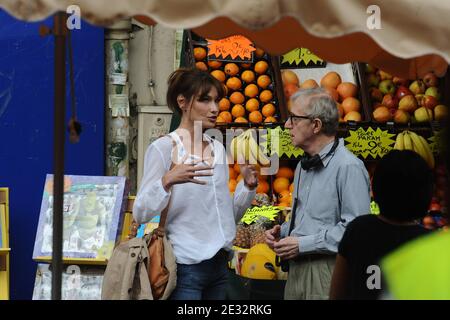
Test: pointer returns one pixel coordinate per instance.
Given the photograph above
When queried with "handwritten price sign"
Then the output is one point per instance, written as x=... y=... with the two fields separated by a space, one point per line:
x=252 y=214
x=279 y=142
x=299 y=55
x=234 y=47
x=375 y=143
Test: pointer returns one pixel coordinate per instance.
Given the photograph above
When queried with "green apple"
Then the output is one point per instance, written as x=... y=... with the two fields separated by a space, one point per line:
x=386 y=86
x=417 y=87
x=434 y=92
x=408 y=104
x=423 y=114
x=373 y=80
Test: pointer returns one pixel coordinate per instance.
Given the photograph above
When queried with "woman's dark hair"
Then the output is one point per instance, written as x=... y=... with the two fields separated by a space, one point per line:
x=189 y=83
x=402 y=185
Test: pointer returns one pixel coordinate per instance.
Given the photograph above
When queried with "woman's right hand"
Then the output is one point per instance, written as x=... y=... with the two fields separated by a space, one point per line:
x=185 y=173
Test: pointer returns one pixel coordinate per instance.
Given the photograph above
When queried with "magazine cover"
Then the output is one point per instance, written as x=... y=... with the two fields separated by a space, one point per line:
x=78 y=282
x=93 y=208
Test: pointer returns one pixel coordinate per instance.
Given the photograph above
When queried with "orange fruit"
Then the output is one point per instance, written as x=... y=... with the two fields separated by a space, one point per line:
x=259 y=52
x=350 y=104
x=264 y=81
x=347 y=89
x=237 y=168
x=340 y=110
x=199 y=53
x=255 y=117
x=213 y=64
x=240 y=120
x=263 y=187
x=231 y=69
x=289 y=89
x=285 y=196
x=219 y=75
x=237 y=98
x=352 y=115
x=285 y=172
x=291 y=188
x=248 y=76
x=309 y=84
x=289 y=76
x=232 y=185
x=280 y=184
x=220 y=120
x=224 y=104
x=246 y=65
x=226 y=116
x=333 y=93
x=201 y=66
x=265 y=96
x=270 y=120
x=261 y=67
x=268 y=110
x=232 y=173
x=251 y=90
x=252 y=105
x=238 y=110
x=234 y=83
x=225 y=89
x=284 y=204
x=331 y=79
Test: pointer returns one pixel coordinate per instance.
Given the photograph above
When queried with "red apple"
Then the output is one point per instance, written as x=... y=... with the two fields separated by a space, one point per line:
x=402 y=91
x=430 y=102
x=376 y=94
x=389 y=101
x=430 y=80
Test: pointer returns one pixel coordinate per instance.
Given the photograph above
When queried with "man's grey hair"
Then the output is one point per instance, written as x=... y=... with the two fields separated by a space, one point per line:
x=319 y=104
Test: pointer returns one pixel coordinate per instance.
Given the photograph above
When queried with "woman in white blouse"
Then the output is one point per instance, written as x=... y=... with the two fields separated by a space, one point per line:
x=202 y=216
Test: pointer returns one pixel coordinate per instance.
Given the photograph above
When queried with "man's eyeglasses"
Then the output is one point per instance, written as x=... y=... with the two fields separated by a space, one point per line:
x=293 y=116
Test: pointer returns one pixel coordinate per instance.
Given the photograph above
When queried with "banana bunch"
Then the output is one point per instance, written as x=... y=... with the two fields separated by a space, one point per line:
x=408 y=140
x=245 y=149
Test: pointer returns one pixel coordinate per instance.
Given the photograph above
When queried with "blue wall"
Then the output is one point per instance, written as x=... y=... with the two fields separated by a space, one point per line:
x=26 y=127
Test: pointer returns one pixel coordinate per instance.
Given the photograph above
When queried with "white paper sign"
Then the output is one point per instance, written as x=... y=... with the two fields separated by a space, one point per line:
x=119 y=105
x=118 y=79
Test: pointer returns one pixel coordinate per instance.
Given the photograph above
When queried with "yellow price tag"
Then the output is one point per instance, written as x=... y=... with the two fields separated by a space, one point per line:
x=278 y=141
x=300 y=54
x=252 y=214
x=376 y=143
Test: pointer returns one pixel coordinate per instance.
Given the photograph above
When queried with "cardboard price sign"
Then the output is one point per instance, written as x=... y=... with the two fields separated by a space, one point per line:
x=235 y=47
x=376 y=143
x=301 y=55
x=279 y=142
x=252 y=214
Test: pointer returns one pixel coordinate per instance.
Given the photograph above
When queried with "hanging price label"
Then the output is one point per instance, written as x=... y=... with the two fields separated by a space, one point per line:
x=279 y=142
x=252 y=214
x=375 y=143
x=231 y=48
x=301 y=55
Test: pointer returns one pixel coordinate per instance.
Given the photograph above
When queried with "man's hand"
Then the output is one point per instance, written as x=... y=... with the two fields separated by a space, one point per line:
x=272 y=235
x=286 y=248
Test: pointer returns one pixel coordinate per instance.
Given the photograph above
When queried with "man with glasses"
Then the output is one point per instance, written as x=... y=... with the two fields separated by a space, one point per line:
x=331 y=188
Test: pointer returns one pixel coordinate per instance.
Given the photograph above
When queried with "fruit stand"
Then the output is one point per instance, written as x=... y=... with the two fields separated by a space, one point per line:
x=378 y=112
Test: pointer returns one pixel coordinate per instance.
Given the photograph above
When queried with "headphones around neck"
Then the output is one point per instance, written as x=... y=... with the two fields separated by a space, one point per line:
x=315 y=162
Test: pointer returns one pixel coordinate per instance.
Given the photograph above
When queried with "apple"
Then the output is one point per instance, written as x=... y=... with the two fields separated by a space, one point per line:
x=429 y=102
x=423 y=114
x=430 y=80
x=401 y=117
x=400 y=81
x=419 y=97
x=440 y=112
x=384 y=75
x=376 y=94
x=408 y=104
x=389 y=101
x=386 y=86
x=433 y=91
x=382 y=114
x=402 y=91
x=417 y=87
x=373 y=80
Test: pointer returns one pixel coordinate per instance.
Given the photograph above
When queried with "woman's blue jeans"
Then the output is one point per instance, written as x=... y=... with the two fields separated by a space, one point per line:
x=206 y=280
